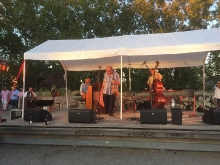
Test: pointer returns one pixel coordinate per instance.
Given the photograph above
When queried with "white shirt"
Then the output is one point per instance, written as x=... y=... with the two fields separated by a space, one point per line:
x=25 y=94
x=107 y=88
x=217 y=93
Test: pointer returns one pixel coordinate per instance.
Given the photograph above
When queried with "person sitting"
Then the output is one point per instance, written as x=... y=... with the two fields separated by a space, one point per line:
x=30 y=95
x=84 y=87
x=217 y=94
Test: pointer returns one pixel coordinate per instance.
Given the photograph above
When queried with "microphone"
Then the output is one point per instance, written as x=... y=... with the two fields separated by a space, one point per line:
x=144 y=62
x=100 y=67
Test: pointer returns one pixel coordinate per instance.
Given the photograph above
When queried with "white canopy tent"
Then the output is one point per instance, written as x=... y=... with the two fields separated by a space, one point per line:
x=178 y=49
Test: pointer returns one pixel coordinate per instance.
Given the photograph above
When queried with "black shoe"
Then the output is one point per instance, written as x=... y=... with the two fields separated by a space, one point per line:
x=105 y=112
x=111 y=115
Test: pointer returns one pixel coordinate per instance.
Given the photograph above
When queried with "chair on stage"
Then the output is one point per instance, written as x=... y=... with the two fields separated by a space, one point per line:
x=188 y=101
x=56 y=104
x=128 y=99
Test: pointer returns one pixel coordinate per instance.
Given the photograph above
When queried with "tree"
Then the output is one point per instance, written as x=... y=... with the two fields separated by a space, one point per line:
x=25 y=24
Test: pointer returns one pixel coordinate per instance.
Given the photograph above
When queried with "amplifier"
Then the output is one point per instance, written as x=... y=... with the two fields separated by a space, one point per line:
x=212 y=116
x=37 y=114
x=16 y=114
x=81 y=116
x=153 y=116
x=176 y=114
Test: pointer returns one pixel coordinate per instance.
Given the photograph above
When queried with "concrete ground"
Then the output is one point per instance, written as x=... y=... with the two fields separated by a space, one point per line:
x=72 y=155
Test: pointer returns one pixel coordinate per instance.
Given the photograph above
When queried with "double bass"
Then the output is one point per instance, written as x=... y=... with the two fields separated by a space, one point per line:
x=158 y=97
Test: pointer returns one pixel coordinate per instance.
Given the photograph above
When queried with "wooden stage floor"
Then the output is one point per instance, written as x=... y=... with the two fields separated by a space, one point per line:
x=60 y=119
x=192 y=135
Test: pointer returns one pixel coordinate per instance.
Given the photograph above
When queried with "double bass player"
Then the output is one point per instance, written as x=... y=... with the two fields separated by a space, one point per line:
x=155 y=76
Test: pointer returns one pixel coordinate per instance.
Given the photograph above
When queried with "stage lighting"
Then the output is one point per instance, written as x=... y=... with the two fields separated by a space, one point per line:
x=4 y=67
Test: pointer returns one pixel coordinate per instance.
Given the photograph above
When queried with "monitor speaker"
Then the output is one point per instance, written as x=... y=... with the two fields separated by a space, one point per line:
x=153 y=116
x=176 y=115
x=212 y=116
x=81 y=116
x=37 y=114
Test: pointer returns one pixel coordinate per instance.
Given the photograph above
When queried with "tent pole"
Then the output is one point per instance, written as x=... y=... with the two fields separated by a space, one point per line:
x=129 y=76
x=121 y=91
x=203 y=83
x=65 y=77
x=204 y=78
x=24 y=72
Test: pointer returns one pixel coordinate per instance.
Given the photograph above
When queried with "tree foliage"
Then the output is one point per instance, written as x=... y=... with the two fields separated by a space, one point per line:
x=25 y=24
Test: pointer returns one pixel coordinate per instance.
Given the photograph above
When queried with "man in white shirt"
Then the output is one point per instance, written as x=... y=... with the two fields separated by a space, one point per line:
x=217 y=94
x=31 y=98
x=30 y=93
x=110 y=89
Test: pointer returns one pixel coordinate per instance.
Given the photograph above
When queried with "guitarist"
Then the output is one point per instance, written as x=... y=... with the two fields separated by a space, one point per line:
x=110 y=89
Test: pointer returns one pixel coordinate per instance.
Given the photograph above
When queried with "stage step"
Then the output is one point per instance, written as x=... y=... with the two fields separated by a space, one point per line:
x=190 y=140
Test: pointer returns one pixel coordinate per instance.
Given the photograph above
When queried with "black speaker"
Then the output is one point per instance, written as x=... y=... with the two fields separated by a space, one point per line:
x=153 y=116
x=176 y=115
x=81 y=116
x=37 y=114
x=145 y=104
x=212 y=116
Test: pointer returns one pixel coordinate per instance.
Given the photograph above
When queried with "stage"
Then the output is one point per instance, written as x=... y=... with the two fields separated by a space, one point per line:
x=193 y=134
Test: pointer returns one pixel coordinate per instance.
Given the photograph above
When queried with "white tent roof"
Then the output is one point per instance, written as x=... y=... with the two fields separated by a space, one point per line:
x=178 y=49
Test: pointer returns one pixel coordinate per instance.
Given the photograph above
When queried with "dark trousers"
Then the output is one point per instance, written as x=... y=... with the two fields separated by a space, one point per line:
x=14 y=104
x=109 y=102
x=218 y=103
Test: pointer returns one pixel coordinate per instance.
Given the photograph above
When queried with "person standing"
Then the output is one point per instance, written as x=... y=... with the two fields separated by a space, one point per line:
x=154 y=74
x=20 y=95
x=217 y=94
x=5 y=95
x=110 y=89
x=14 y=97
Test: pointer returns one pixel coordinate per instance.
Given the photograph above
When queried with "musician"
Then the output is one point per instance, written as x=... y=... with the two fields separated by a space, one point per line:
x=154 y=74
x=217 y=94
x=84 y=87
x=5 y=95
x=31 y=98
x=110 y=89
x=30 y=93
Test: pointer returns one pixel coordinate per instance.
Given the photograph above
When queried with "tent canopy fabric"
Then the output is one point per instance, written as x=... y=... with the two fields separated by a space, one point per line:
x=178 y=49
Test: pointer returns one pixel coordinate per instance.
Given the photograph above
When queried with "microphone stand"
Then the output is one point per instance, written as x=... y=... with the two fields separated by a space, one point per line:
x=98 y=108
